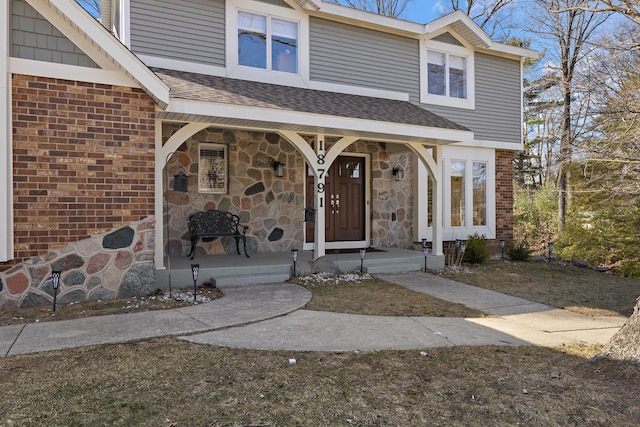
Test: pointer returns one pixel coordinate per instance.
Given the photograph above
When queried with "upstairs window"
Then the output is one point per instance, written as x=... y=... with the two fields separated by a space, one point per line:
x=447 y=75
x=267 y=42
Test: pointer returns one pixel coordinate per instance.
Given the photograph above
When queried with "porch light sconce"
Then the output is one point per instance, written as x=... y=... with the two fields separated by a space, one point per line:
x=279 y=168
x=194 y=274
x=398 y=173
x=502 y=242
x=294 y=258
x=181 y=182
x=55 y=278
x=550 y=247
x=363 y=253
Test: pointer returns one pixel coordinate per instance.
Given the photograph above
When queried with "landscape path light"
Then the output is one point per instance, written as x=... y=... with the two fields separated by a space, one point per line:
x=550 y=247
x=425 y=250
x=502 y=249
x=363 y=253
x=294 y=258
x=194 y=274
x=55 y=278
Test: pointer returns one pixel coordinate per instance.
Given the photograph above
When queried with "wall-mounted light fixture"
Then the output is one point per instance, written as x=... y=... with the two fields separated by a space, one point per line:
x=181 y=182
x=398 y=173
x=279 y=168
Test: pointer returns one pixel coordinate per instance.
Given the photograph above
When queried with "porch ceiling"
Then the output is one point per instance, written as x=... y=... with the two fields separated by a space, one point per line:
x=254 y=105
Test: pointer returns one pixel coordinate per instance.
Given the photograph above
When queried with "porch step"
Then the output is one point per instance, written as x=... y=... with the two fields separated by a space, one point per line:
x=397 y=267
x=250 y=279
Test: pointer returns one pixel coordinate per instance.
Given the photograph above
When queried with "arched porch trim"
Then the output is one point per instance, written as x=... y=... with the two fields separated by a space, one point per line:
x=162 y=157
x=319 y=161
x=434 y=168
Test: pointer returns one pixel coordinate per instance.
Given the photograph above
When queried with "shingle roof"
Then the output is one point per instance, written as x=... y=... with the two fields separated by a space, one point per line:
x=221 y=90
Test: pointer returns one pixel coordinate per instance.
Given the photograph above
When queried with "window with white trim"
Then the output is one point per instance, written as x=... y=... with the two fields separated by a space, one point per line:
x=447 y=75
x=213 y=175
x=267 y=42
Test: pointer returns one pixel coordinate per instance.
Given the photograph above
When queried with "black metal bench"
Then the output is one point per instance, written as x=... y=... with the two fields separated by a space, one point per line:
x=215 y=223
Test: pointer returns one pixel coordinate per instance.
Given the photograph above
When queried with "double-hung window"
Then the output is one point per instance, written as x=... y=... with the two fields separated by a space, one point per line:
x=267 y=42
x=447 y=75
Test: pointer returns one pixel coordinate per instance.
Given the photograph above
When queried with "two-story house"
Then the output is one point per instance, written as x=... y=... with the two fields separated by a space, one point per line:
x=322 y=127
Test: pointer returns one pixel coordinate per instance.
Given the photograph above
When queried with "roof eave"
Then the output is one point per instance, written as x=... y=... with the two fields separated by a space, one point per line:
x=105 y=45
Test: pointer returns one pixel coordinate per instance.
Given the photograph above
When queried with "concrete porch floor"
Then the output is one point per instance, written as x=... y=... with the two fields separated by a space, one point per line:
x=273 y=267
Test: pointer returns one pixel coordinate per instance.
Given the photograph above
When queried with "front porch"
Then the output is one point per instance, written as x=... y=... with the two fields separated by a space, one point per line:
x=270 y=267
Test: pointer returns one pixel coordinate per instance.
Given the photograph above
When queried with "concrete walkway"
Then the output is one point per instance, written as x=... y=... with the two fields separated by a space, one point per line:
x=271 y=317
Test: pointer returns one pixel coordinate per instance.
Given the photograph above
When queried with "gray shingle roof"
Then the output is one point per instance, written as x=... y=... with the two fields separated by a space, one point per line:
x=221 y=90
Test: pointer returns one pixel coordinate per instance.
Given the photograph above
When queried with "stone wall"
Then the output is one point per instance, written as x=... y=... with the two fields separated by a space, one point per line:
x=110 y=265
x=273 y=207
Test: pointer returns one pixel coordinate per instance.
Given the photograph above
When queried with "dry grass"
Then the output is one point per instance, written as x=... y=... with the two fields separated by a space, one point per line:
x=13 y=316
x=577 y=289
x=167 y=382
x=373 y=296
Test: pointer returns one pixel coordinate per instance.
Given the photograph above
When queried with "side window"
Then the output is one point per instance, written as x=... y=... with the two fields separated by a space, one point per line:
x=213 y=173
x=267 y=42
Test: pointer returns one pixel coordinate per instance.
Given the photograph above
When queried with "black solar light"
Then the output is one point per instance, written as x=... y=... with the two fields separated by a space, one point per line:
x=425 y=250
x=194 y=274
x=363 y=253
x=463 y=247
x=502 y=242
x=294 y=258
x=550 y=247
x=55 y=278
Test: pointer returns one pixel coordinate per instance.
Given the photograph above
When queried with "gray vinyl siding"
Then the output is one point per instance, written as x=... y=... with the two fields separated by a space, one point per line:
x=357 y=56
x=497 y=114
x=187 y=30
x=447 y=38
x=33 y=37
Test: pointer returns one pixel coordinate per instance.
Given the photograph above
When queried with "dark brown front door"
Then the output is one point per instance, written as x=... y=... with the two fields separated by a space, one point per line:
x=344 y=201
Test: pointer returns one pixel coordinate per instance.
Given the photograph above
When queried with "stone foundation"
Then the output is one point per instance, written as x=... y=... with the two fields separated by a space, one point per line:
x=115 y=264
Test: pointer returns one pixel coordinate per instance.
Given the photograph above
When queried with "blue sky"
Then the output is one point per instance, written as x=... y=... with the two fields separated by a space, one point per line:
x=422 y=11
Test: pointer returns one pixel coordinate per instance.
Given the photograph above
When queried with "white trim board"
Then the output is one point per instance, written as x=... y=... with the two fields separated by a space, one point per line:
x=308 y=119
x=6 y=144
x=62 y=71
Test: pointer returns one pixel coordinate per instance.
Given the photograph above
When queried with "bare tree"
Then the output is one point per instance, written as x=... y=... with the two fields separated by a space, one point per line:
x=629 y=8
x=391 y=8
x=493 y=16
x=570 y=32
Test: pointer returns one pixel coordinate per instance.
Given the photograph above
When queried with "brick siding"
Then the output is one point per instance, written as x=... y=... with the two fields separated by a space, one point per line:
x=504 y=195
x=83 y=161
